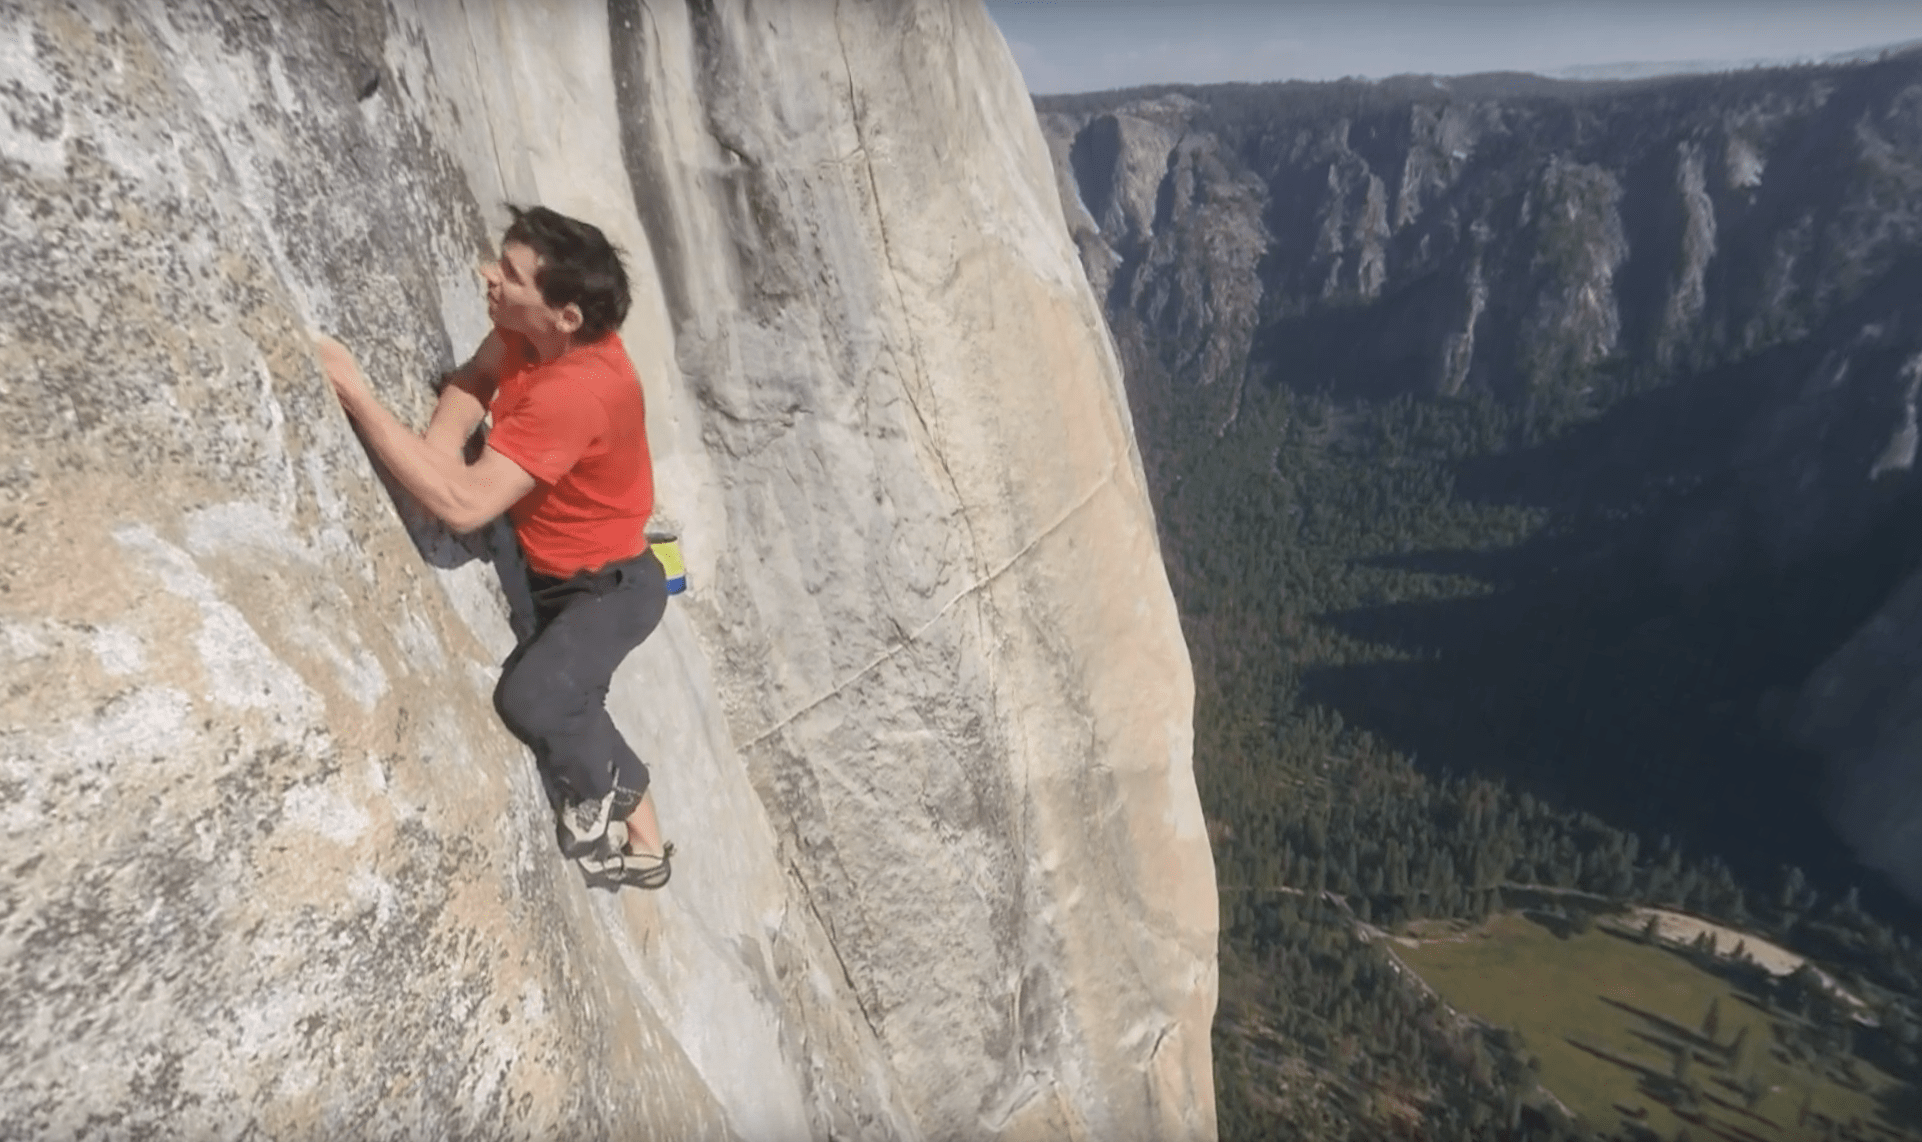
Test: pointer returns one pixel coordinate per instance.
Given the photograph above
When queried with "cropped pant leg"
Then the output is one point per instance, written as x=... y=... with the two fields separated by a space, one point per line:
x=552 y=692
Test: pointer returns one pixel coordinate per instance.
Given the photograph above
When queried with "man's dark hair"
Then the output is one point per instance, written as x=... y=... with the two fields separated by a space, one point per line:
x=578 y=266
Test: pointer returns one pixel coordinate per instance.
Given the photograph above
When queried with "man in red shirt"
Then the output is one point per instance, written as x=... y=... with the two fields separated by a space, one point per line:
x=567 y=460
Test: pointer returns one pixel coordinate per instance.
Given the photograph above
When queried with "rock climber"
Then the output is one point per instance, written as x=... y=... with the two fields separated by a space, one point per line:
x=567 y=460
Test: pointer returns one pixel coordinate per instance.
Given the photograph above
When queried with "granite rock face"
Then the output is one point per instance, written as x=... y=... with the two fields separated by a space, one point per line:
x=920 y=728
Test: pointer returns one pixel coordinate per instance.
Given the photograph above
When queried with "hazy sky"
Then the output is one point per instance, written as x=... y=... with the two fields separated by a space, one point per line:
x=1089 y=45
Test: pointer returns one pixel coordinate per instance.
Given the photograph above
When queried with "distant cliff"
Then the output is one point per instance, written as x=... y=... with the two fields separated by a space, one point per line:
x=1721 y=276
x=921 y=726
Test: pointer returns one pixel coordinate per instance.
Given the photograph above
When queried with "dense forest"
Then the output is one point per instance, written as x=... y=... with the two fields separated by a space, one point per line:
x=1304 y=546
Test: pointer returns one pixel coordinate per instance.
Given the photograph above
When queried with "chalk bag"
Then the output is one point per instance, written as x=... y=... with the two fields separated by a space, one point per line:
x=667 y=548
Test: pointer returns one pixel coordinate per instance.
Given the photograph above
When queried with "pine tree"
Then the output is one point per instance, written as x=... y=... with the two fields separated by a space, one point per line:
x=1794 y=883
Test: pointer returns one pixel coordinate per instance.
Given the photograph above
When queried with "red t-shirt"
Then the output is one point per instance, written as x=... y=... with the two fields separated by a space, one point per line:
x=578 y=425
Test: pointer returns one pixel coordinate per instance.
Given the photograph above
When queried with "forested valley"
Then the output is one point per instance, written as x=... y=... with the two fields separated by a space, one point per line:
x=1394 y=723
x=1449 y=665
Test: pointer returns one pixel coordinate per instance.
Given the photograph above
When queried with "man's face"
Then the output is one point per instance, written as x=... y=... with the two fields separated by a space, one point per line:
x=514 y=301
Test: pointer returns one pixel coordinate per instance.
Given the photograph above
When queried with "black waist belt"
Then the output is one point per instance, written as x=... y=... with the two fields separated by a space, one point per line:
x=600 y=580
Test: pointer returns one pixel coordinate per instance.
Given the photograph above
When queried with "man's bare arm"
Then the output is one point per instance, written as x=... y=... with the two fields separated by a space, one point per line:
x=465 y=396
x=463 y=496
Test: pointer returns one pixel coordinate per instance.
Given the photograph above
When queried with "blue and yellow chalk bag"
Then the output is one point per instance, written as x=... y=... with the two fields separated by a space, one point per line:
x=667 y=549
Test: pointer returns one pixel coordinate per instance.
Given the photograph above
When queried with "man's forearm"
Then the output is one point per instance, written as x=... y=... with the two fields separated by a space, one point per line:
x=461 y=495
x=432 y=477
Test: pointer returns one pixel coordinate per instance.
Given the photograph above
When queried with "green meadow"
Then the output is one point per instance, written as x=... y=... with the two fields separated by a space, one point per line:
x=1609 y=1017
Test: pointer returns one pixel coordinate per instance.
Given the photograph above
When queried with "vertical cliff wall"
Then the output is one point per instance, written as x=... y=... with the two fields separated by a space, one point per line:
x=921 y=728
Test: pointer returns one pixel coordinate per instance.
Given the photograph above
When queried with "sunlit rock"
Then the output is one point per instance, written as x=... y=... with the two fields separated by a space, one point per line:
x=920 y=727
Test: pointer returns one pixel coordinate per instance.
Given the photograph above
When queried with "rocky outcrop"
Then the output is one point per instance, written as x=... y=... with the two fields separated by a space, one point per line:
x=1678 y=225
x=1171 y=233
x=1718 y=275
x=921 y=727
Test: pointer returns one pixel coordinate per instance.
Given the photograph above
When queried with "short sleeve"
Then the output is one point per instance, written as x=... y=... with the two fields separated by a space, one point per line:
x=548 y=430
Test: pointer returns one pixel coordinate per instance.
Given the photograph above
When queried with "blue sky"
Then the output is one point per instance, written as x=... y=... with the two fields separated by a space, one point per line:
x=1090 y=45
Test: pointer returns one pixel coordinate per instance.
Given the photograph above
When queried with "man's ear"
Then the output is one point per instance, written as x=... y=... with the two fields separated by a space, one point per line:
x=570 y=318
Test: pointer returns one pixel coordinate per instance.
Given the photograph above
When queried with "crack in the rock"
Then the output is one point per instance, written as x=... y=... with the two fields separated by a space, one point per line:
x=920 y=372
x=480 y=69
x=860 y=1004
x=906 y=641
x=920 y=376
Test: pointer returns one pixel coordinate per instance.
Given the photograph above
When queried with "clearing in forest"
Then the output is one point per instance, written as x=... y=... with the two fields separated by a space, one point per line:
x=1639 y=1041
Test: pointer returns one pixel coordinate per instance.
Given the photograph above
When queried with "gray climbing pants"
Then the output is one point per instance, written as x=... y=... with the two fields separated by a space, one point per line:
x=552 y=692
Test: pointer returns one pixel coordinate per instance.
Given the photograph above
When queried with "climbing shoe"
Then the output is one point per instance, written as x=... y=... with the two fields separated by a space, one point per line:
x=582 y=829
x=631 y=870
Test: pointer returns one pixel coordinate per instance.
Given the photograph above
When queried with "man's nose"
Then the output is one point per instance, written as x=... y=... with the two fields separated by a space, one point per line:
x=488 y=272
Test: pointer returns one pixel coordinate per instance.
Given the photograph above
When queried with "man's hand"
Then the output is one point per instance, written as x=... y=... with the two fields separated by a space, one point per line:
x=343 y=372
x=464 y=496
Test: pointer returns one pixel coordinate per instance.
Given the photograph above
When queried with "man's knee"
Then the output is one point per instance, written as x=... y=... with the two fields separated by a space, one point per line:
x=534 y=704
